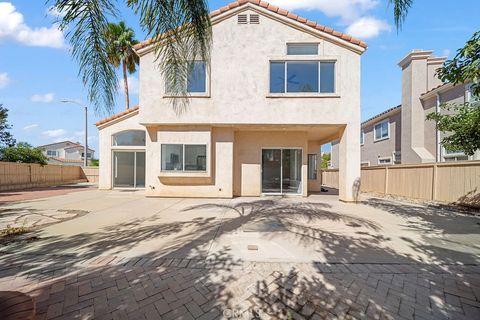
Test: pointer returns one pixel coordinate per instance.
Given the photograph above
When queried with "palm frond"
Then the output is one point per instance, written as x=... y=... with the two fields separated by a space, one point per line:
x=400 y=11
x=182 y=33
x=85 y=22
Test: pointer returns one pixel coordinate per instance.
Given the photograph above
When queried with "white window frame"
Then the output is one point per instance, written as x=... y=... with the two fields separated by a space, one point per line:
x=375 y=130
x=183 y=158
x=54 y=151
x=205 y=94
x=365 y=162
x=384 y=158
x=304 y=44
x=304 y=58
x=362 y=137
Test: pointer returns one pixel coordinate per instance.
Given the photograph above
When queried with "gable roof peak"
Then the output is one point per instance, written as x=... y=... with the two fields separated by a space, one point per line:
x=282 y=12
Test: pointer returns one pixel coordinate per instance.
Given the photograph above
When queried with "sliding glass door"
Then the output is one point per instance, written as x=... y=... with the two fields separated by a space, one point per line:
x=128 y=169
x=282 y=171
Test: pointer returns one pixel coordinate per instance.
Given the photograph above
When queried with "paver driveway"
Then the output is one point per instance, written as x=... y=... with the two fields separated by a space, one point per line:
x=135 y=257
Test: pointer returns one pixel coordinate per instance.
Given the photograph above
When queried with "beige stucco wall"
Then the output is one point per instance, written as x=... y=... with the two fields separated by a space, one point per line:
x=248 y=157
x=372 y=150
x=105 y=146
x=239 y=81
x=216 y=182
x=237 y=100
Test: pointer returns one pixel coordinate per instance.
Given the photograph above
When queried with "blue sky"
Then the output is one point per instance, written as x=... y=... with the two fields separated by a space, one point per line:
x=37 y=71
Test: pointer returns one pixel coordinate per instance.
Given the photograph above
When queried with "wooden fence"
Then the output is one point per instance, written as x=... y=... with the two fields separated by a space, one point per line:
x=15 y=176
x=91 y=174
x=444 y=182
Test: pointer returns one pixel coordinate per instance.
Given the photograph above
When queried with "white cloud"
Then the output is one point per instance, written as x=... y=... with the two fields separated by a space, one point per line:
x=367 y=27
x=55 y=133
x=347 y=10
x=30 y=127
x=4 y=80
x=352 y=13
x=44 y=98
x=132 y=85
x=12 y=26
x=446 y=52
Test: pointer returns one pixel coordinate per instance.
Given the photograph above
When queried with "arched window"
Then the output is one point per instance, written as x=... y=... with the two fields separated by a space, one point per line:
x=129 y=138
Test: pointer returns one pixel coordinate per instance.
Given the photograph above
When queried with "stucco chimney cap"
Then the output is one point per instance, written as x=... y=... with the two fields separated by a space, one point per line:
x=436 y=60
x=416 y=54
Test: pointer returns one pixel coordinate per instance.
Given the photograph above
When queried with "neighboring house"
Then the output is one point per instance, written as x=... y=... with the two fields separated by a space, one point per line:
x=277 y=87
x=402 y=134
x=65 y=153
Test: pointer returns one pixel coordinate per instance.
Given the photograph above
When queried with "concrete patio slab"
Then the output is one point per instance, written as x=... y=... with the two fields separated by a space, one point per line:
x=132 y=257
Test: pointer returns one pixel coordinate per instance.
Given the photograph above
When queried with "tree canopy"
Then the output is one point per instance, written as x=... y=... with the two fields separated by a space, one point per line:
x=22 y=152
x=6 y=138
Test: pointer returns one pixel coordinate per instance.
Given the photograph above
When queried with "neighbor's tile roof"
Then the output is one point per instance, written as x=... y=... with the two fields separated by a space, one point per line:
x=382 y=113
x=435 y=88
x=116 y=116
x=279 y=11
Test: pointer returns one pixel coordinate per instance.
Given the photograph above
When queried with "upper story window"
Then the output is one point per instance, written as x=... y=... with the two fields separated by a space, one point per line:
x=129 y=138
x=302 y=76
x=382 y=130
x=89 y=155
x=196 y=80
x=362 y=137
x=52 y=153
x=302 y=49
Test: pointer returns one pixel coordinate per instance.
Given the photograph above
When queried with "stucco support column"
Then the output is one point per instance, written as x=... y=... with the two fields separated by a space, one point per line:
x=349 y=163
x=105 y=157
x=224 y=162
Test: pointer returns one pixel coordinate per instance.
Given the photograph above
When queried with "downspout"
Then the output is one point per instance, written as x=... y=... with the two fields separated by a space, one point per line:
x=439 y=147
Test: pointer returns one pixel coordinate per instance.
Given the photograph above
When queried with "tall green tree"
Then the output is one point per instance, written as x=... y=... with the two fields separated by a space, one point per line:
x=120 y=41
x=181 y=28
x=6 y=138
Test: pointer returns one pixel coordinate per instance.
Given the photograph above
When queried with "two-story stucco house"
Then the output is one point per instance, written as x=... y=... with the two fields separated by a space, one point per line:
x=402 y=134
x=66 y=153
x=276 y=88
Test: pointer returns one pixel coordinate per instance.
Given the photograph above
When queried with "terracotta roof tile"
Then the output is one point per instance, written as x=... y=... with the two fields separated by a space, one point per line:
x=280 y=11
x=439 y=86
x=116 y=116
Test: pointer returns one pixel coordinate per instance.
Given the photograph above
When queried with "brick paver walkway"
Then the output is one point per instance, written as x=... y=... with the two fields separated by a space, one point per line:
x=142 y=288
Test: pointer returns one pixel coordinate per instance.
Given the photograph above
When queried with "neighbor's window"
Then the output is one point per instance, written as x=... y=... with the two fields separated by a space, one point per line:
x=386 y=160
x=184 y=157
x=89 y=155
x=312 y=167
x=302 y=76
x=129 y=138
x=302 y=49
x=362 y=137
x=382 y=130
x=52 y=153
x=196 y=81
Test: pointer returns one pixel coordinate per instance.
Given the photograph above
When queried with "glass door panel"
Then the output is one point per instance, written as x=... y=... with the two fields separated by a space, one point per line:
x=291 y=170
x=124 y=169
x=140 y=170
x=271 y=170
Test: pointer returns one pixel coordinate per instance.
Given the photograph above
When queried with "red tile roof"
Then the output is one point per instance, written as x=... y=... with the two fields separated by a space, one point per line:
x=116 y=116
x=437 y=87
x=279 y=11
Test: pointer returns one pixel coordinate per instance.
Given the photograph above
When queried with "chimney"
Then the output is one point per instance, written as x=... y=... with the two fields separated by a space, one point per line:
x=433 y=64
x=418 y=76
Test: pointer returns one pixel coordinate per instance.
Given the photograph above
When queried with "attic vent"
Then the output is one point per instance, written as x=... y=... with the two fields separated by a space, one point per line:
x=242 y=19
x=254 y=19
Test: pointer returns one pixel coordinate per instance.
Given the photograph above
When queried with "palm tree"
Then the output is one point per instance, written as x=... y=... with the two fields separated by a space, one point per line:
x=86 y=21
x=120 y=42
